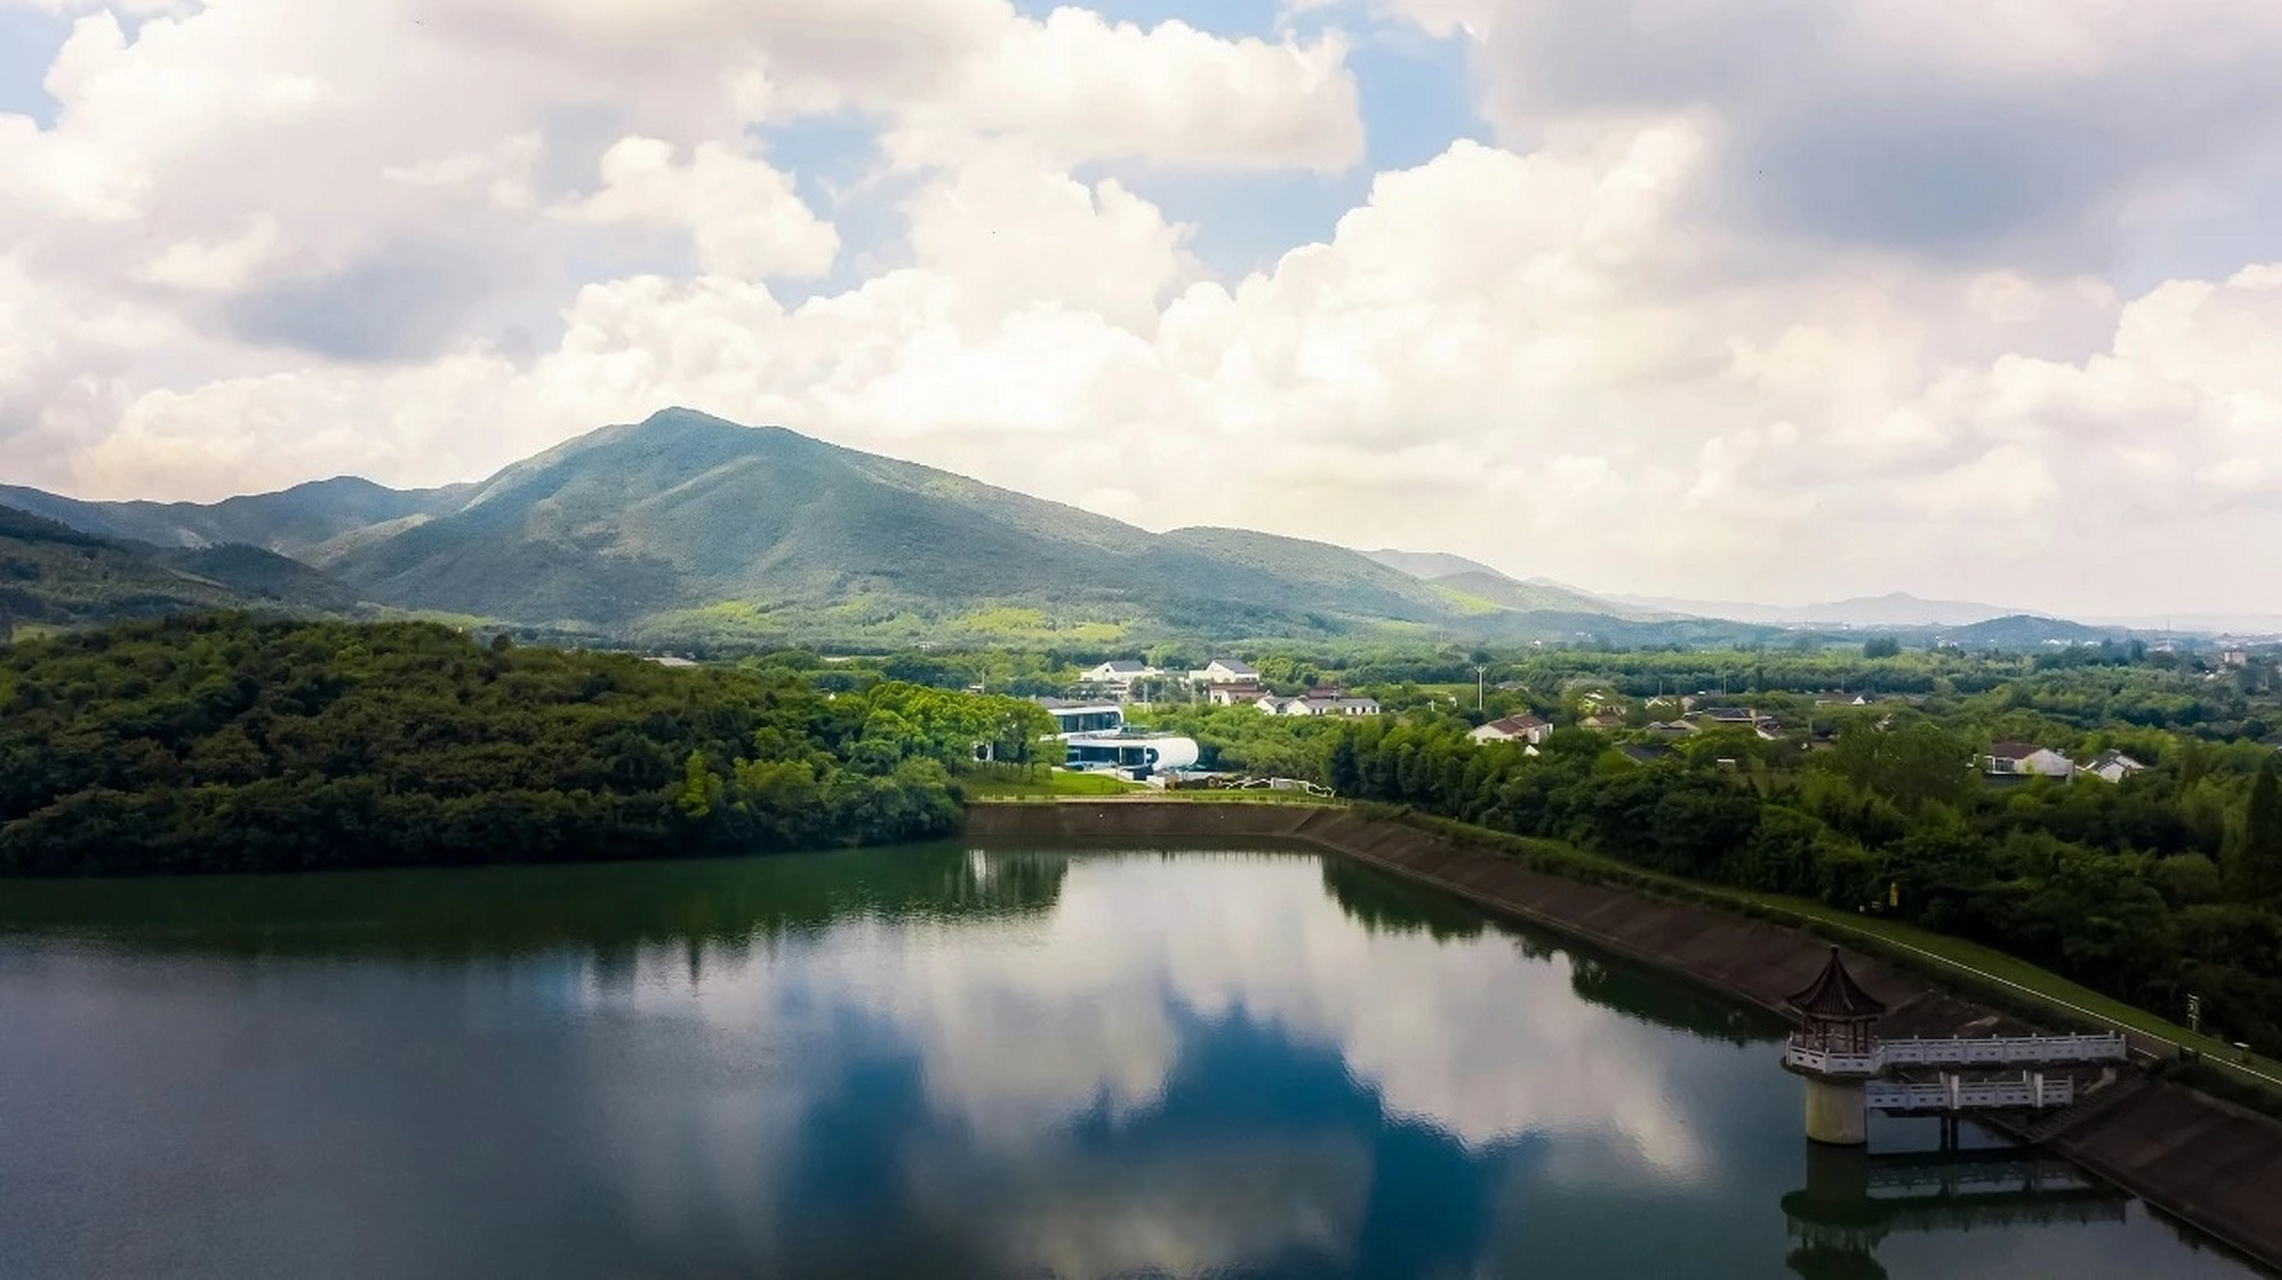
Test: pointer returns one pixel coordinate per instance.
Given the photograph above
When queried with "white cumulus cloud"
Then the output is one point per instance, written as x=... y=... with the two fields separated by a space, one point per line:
x=265 y=241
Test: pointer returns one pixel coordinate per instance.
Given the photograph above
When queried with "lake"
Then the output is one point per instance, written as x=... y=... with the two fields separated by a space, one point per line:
x=931 y=1061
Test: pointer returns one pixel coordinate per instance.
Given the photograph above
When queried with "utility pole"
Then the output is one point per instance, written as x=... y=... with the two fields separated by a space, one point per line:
x=1481 y=673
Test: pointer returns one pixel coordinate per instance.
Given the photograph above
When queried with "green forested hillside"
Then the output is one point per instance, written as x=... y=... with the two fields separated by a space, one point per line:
x=687 y=525
x=218 y=743
x=54 y=575
x=2167 y=885
x=1507 y=593
x=294 y=522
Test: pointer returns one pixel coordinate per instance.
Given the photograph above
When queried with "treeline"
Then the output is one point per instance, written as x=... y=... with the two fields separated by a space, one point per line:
x=2166 y=885
x=219 y=743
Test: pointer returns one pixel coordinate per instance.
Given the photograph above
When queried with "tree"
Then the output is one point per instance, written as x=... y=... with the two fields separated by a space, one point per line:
x=2254 y=863
x=1882 y=647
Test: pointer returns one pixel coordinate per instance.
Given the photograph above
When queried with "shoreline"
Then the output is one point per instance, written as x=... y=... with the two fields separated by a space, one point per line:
x=2200 y=1159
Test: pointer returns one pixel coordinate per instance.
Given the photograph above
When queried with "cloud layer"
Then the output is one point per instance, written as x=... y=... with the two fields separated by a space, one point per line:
x=1779 y=300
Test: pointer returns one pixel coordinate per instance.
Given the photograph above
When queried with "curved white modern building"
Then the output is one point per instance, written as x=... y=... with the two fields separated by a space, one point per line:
x=1095 y=736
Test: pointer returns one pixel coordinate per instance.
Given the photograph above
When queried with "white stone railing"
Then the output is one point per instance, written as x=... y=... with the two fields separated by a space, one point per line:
x=2002 y=1050
x=1953 y=1094
x=1986 y=1052
x=1830 y=1061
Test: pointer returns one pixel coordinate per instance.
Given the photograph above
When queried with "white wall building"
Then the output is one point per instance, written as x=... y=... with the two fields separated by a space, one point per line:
x=1119 y=672
x=1519 y=728
x=1225 y=671
x=2026 y=759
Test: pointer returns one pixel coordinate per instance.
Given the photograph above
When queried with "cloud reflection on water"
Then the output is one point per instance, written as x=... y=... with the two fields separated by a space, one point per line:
x=1025 y=1029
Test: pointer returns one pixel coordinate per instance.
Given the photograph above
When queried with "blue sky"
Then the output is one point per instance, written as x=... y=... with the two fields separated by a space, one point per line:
x=1416 y=99
x=28 y=43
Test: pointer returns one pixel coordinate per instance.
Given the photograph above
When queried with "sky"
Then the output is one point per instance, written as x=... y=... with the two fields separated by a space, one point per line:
x=1733 y=299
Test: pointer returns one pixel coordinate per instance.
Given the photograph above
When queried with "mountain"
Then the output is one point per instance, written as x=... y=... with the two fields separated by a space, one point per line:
x=53 y=574
x=2215 y=624
x=1428 y=564
x=1508 y=593
x=293 y=522
x=684 y=529
x=686 y=524
x=1474 y=585
x=1895 y=609
x=2026 y=631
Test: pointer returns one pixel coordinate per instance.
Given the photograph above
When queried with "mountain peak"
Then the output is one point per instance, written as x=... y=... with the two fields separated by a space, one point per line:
x=676 y=415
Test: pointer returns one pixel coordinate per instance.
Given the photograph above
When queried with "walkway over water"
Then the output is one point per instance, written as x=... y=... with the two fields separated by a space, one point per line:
x=2035 y=1091
x=1881 y=1056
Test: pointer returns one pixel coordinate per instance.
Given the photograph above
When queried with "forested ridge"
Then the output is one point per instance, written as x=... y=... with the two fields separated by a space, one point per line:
x=220 y=743
x=2166 y=885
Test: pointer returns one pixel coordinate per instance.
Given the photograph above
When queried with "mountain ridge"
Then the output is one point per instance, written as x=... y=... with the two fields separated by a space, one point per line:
x=56 y=575
x=1892 y=609
x=687 y=528
x=290 y=521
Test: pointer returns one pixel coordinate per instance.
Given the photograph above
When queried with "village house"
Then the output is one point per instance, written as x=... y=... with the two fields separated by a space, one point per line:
x=2025 y=759
x=1672 y=729
x=1120 y=673
x=1225 y=671
x=1516 y=728
x=1234 y=695
x=1644 y=752
x=1337 y=705
x=2111 y=766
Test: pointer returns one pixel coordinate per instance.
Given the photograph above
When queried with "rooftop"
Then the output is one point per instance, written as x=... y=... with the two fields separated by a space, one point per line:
x=1834 y=996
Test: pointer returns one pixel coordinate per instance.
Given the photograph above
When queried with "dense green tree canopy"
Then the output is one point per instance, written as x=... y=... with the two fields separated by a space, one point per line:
x=216 y=742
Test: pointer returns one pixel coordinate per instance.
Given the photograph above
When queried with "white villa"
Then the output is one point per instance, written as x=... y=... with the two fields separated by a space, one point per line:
x=1120 y=673
x=1095 y=737
x=1517 y=728
x=2110 y=766
x=2026 y=759
x=1225 y=671
x=1318 y=706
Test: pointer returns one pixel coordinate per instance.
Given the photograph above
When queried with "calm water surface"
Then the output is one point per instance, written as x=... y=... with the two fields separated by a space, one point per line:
x=925 y=1062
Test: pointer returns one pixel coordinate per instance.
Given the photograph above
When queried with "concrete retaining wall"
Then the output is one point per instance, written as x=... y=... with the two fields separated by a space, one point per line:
x=2209 y=1162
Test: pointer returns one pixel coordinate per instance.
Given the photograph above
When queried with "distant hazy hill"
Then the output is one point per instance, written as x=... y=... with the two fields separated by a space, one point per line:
x=1428 y=564
x=2236 y=624
x=1510 y=593
x=1477 y=584
x=2024 y=631
x=1895 y=609
x=292 y=522
x=51 y=573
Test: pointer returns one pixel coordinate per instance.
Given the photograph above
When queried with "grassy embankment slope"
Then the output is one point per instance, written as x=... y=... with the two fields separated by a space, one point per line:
x=1976 y=968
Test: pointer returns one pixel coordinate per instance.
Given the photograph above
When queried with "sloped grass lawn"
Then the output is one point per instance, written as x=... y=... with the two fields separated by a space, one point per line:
x=993 y=784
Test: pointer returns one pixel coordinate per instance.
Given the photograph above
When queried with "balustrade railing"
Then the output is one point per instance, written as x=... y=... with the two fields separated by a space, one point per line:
x=1954 y=1094
x=1959 y=1052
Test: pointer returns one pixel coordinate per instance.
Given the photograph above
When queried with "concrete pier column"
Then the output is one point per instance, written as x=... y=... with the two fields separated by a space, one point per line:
x=1836 y=1113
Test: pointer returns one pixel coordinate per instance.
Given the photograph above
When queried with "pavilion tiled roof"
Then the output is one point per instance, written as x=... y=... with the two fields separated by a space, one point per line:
x=1835 y=996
